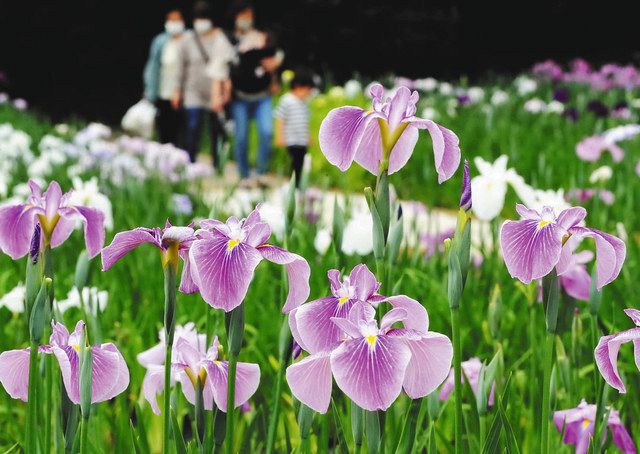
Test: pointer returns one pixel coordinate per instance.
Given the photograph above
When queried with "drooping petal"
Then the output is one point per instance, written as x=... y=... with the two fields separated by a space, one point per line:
x=530 y=250
x=123 y=243
x=152 y=385
x=16 y=228
x=247 y=381
x=403 y=149
x=223 y=271
x=371 y=373
x=14 y=373
x=446 y=149
x=417 y=317
x=622 y=439
x=110 y=374
x=68 y=361
x=341 y=132
x=310 y=381
x=611 y=252
x=94 y=230
x=298 y=273
x=606 y=354
x=429 y=366
x=314 y=325
x=634 y=315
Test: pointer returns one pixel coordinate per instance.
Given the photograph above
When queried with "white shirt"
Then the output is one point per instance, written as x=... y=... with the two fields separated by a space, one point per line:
x=294 y=113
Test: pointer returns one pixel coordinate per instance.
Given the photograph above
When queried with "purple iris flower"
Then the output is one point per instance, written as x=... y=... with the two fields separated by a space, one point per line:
x=571 y=113
x=598 y=108
x=578 y=424
x=606 y=351
x=312 y=322
x=192 y=361
x=224 y=257
x=537 y=243
x=173 y=242
x=372 y=364
x=591 y=148
x=471 y=371
x=109 y=375
x=384 y=137
x=561 y=94
x=56 y=217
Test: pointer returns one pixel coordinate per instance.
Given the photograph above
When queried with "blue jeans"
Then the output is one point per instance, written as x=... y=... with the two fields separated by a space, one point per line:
x=243 y=111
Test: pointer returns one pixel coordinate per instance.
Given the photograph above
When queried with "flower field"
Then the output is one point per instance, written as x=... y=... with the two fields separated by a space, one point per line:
x=400 y=301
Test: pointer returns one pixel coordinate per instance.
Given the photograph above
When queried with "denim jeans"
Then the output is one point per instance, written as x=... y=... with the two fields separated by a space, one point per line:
x=193 y=132
x=242 y=112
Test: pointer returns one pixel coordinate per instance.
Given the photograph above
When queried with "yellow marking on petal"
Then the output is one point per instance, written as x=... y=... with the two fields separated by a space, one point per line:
x=202 y=376
x=171 y=255
x=371 y=340
x=192 y=376
x=232 y=244
x=585 y=423
x=343 y=300
x=543 y=223
x=368 y=112
x=76 y=348
x=48 y=226
x=216 y=362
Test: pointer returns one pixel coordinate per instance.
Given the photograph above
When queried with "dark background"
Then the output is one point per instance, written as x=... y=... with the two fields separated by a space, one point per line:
x=72 y=57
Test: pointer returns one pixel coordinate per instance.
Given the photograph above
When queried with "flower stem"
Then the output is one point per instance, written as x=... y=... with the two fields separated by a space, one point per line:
x=457 y=376
x=32 y=404
x=83 y=435
x=169 y=328
x=551 y=293
x=235 y=332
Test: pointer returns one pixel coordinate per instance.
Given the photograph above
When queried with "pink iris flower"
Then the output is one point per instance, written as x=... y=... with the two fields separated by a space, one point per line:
x=192 y=361
x=578 y=424
x=384 y=137
x=372 y=363
x=471 y=371
x=537 y=243
x=312 y=322
x=223 y=258
x=109 y=375
x=171 y=241
x=576 y=280
x=606 y=351
x=56 y=217
x=591 y=148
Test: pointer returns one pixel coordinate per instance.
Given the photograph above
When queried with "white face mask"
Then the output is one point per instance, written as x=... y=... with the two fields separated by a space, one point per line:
x=244 y=24
x=174 y=27
x=202 y=25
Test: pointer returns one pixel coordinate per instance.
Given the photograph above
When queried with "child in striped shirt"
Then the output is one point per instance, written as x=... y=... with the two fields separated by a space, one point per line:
x=292 y=121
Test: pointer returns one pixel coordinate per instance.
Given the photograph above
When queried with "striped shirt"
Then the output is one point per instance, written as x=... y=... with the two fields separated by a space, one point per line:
x=294 y=113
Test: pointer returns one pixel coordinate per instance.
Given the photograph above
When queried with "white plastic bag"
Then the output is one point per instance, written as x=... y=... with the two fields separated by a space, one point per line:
x=140 y=119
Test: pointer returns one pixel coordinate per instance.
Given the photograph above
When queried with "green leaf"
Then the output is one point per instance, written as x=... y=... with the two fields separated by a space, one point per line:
x=395 y=239
x=338 y=224
x=82 y=271
x=181 y=447
x=378 y=232
x=454 y=284
x=373 y=431
x=305 y=421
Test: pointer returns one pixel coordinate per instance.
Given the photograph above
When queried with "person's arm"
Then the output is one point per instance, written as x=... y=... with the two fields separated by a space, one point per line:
x=151 y=71
x=279 y=133
x=218 y=95
x=176 y=99
x=218 y=70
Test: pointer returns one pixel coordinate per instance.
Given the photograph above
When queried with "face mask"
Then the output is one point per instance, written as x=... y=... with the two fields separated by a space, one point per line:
x=174 y=27
x=244 y=24
x=202 y=25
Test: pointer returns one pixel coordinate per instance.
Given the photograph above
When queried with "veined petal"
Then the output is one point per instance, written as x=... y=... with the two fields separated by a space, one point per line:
x=313 y=322
x=14 y=373
x=222 y=274
x=341 y=132
x=110 y=374
x=446 y=149
x=258 y=234
x=364 y=282
x=417 y=317
x=69 y=367
x=397 y=314
x=123 y=243
x=527 y=213
x=611 y=252
x=298 y=273
x=403 y=149
x=622 y=439
x=64 y=227
x=430 y=363
x=530 y=251
x=576 y=282
x=153 y=356
x=16 y=228
x=247 y=381
x=571 y=217
x=310 y=381
x=179 y=234
x=398 y=106
x=186 y=281
x=371 y=373
x=606 y=354
x=634 y=315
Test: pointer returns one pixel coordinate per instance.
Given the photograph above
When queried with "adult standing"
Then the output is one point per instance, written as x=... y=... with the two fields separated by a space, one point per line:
x=205 y=56
x=254 y=80
x=160 y=76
